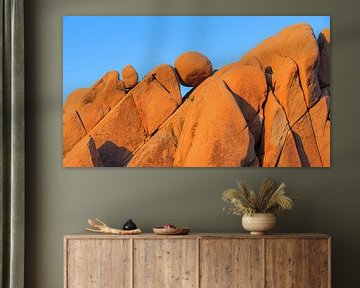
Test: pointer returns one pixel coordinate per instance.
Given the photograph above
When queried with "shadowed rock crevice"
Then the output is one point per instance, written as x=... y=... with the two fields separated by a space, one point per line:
x=94 y=153
x=300 y=147
x=325 y=51
x=166 y=89
x=112 y=155
x=82 y=123
x=252 y=117
x=300 y=82
x=282 y=149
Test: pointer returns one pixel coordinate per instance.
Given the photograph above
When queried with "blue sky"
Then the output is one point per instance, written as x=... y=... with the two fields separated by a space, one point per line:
x=94 y=45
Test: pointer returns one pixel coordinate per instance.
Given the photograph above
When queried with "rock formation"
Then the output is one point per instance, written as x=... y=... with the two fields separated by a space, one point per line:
x=193 y=68
x=130 y=76
x=269 y=109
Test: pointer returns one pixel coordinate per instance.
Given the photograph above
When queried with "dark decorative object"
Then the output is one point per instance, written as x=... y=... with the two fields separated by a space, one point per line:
x=100 y=227
x=129 y=225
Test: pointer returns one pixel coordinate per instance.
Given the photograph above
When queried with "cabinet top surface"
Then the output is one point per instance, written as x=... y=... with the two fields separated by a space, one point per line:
x=86 y=235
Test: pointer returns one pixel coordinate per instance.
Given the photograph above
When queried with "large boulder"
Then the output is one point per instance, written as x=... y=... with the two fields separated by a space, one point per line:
x=85 y=107
x=289 y=156
x=249 y=87
x=305 y=139
x=287 y=88
x=276 y=130
x=215 y=133
x=117 y=135
x=319 y=114
x=285 y=145
x=193 y=68
x=298 y=43
x=73 y=130
x=157 y=96
x=324 y=68
x=92 y=113
x=130 y=76
x=84 y=154
x=246 y=82
x=109 y=90
x=119 y=131
x=75 y=99
x=159 y=150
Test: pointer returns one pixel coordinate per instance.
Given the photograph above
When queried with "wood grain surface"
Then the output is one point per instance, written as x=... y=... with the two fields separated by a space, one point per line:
x=98 y=263
x=197 y=260
x=228 y=263
x=89 y=235
x=165 y=263
x=319 y=263
x=287 y=263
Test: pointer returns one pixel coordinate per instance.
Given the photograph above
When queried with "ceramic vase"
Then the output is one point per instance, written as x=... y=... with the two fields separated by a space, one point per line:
x=259 y=223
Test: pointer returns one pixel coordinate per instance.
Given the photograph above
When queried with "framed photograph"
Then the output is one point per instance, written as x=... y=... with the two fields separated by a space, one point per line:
x=196 y=91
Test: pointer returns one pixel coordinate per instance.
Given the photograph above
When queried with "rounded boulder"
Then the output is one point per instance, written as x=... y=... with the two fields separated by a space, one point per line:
x=130 y=76
x=193 y=68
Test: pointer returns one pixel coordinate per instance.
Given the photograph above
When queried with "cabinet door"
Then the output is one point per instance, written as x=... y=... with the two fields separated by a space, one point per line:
x=98 y=263
x=231 y=263
x=287 y=263
x=165 y=263
x=320 y=263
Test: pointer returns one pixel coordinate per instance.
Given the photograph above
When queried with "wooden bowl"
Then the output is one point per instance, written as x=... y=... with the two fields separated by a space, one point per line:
x=171 y=231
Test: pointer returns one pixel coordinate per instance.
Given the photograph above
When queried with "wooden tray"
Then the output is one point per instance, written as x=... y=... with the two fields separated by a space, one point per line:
x=171 y=231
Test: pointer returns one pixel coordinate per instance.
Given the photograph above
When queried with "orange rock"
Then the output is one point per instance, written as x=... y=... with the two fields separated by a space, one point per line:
x=92 y=113
x=215 y=132
x=157 y=152
x=109 y=90
x=289 y=156
x=276 y=129
x=73 y=131
x=246 y=81
x=74 y=100
x=319 y=114
x=168 y=78
x=84 y=154
x=157 y=96
x=160 y=149
x=248 y=85
x=119 y=133
x=91 y=105
x=287 y=88
x=325 y=52
x=298 y=43
x=306 y=142
x=130 y=76
x=193 y=68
